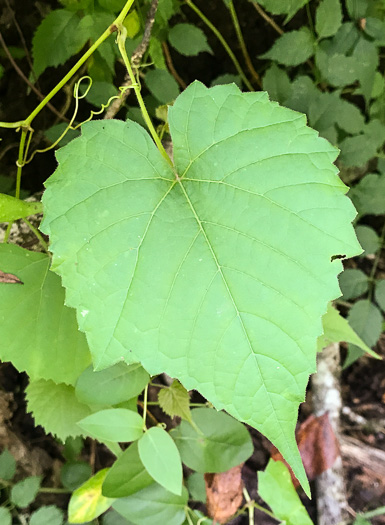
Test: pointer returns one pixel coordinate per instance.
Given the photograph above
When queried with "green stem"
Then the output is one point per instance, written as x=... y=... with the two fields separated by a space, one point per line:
x=38 y=235
x=136 y=87
x=250 y=506
x=242 y=43
x=145 y=408
x=223 y=42
x=17 y=124
x=20 y=161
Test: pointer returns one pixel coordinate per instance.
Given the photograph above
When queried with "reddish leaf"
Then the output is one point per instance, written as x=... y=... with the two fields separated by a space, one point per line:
x=317 y=444
x=224 y=494
x=9 y=278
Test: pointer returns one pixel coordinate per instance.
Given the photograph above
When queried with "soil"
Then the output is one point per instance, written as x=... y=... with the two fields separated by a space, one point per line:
x=363 y=383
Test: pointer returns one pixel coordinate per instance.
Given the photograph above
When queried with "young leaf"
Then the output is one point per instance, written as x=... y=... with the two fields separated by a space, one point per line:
x=87 y=502
x=214 y=443
x=292 y=48
x=153 y=504
x=368 y=195
x=58 y=418
x=7 y=465
x=368 y=239
x=277 y=83
x=175 y=401
x=48 y=343
x=12 y=209
x=240 y=231
x=24 y=492
x=160 y=457
x=113 y=424
x=328 y=18
x=353 y=283
x=112 y=385
x=189 y=40
x=49 y=515
x=127 y=475
x=276 y=488
x=337 y=329
x=57 y=39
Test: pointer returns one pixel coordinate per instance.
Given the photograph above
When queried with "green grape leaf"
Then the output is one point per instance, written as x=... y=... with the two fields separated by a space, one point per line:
x=127 y=475
x=47 y=515
x=379 y=294
x=57 y=39
x=189 y=40
x=368 y=195
x=12 y=209
x=24 y=492
x=112 y=385
x=5 y=516
x=337 y=329
x=236 y=251
x=153 y=504
x=113 y=424
x=161 y=458
x=87 y=502
x=214 y=442
x=368 y=239
x=277 y=83
x=353 y=283
x=328 y=18
x=7 y=465
x=48 y=343
x=175 y=401
x=276 y=488
x=58 y=418
x=162 y=85
x=292 y=48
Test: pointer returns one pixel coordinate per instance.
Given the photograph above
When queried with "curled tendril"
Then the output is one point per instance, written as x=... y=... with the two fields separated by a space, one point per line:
x=77 y=96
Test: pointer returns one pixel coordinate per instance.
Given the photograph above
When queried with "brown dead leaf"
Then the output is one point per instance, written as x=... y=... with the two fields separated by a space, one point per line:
x=318 y=446
x=9 y=278
x=224 y=494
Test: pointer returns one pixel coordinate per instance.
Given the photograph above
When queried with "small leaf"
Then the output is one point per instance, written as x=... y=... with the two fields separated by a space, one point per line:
x=12 y=209
x=357 y=8
x=7 y=465
x=175 y=401
x=224 y=494
x=87 y=502
x=353 y=283
x=366 y=55
x=72 y=475
x=113 y=424
x=339 y=70
x=277 y=83
x=127 y=475
x=303 y=92
x=132 y=23
x=48 y=515
x=280 y=7
x=292 y=48
x=161 y=459
x=189 y=40
x=154 y=504
x=368 y=195
x=5 y=516
x=368 y=239
x=366 y=319
x=24 y=492
x=215 y=443
x=227 y=78
x=162 y=85
x=48 y=343
x=276 y=488
x=379 y=294
x=328 y=18
x=58 y=418
x=337 y=329
x=112 y=385
x=57 y=39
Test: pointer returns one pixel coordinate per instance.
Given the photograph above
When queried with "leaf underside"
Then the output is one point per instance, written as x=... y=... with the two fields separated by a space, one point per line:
x=217 y=271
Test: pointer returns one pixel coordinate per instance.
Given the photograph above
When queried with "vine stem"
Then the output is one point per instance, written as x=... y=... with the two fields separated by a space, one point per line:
x=250 y=506
x=242 y=44
x=122 y=34
x=221 y=39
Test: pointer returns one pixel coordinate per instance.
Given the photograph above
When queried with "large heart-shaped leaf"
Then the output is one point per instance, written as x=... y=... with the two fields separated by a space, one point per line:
x=216 y=271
